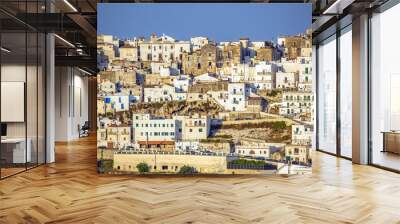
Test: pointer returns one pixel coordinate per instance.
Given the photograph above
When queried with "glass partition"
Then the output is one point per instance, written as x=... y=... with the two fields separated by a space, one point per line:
x=22 y=90
x=385 y=89
x=327 y=95
x=346 y=92
x=13 y=86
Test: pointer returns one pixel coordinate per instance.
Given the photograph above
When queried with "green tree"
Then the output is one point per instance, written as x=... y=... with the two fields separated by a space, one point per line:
x=187 y=170
x=143 y=167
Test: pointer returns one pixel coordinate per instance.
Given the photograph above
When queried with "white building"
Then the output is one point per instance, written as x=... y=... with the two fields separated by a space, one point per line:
x=301 y=134
x=265 y=75
x=180 y=96
x=182 y=83
x=159 y=93
x=187 y=146
x=286 y=80
x=205 y=78
x=195 y=127
x=295 y=103
x=264 y=82
x=168 y=71
x=118 y=136
x=106 y=87
x=258 y=44
x=258 y=149
x=240 y=72
x=281 y=41
x=114 y=103
x=298 y=153
x=290 y=66
x=156 y=66
x=264 y=67
x=163 y=49
x=198 y=42
x=128 y=53
x=105 y=39
x=151 y=129
x=305 y=78
x=237 y=93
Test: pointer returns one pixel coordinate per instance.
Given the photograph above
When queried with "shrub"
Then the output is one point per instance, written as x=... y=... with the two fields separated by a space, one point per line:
x=244 y=162
x=143 y=167
x=279 y=125
x=272 y=93
x=187 y=170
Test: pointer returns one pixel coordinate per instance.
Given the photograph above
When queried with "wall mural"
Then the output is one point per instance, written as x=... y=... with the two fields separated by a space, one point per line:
x=179 y=93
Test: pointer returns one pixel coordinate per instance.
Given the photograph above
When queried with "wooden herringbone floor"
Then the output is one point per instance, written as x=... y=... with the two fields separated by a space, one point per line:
x=70 y=191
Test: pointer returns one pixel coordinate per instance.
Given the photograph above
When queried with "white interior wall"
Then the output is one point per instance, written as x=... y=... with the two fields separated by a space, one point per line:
x=71 y=102
x=12 y=73
x=33 y=126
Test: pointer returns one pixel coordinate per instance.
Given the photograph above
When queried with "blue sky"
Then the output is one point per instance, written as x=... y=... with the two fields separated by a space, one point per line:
x=219 y=22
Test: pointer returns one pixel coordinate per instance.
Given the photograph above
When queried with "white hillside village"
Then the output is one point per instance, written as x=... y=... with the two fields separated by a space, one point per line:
x=200 y=106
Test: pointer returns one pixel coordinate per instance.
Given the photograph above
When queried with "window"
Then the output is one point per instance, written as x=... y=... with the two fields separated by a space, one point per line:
x=385 y=86
x=164 y=167
x=200 y=130
x=346 y=93
x=327 y=95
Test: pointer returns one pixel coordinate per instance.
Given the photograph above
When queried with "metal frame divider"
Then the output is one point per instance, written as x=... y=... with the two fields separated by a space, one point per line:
x=44 y=76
